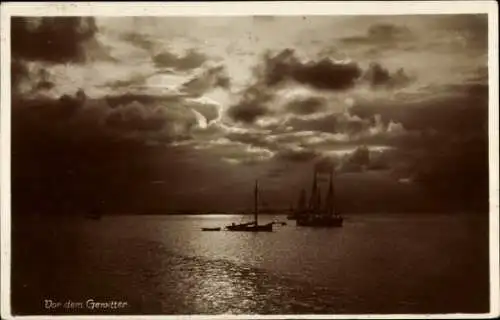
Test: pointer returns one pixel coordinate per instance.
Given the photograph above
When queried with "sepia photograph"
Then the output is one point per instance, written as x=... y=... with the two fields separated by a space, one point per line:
x=249 y=162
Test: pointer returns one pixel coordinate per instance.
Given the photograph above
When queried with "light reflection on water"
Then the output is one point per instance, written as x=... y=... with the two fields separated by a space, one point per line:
x=377 y=263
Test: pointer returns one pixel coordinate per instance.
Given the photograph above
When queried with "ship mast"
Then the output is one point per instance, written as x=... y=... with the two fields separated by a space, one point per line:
x=314 y=191
x=256 y=199
x=330 y=196
x=302 y=201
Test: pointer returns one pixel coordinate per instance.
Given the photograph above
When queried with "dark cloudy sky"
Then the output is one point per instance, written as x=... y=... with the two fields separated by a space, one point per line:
x=153 y=114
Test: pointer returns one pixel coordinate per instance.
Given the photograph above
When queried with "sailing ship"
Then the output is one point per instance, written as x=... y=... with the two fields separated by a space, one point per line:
x=252 y=226
x=314 y=215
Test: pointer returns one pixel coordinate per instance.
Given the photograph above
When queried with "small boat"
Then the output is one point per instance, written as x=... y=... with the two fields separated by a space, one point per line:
x=211 y=229
x=252 y=226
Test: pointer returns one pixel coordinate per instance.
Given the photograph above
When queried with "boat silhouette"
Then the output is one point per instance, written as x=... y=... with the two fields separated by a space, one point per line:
x=211 y=229
x=315 y=215
x=252 y=226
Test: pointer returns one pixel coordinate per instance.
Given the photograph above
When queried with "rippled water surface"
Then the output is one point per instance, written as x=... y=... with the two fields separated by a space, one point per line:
x=394 y=263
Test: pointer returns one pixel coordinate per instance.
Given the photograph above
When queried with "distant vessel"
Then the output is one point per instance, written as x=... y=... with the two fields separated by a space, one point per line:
x=94 y=216
x=252 y=226
x=315 y=215
x=211 y=229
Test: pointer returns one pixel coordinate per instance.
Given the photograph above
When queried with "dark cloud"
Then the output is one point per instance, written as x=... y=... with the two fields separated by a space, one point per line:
x=44 y=85
x=123 y=99
x=378 y=76
x=247 y=111
x=135 y=117
x=464 y=109
x=26 y=82
x=306 y=106
x=323 y=74
x=156 y=119
x=252 y=105
x=191 y=60
x=285 y=66
x=52 y=39
x=450 y=151
x=73 y=152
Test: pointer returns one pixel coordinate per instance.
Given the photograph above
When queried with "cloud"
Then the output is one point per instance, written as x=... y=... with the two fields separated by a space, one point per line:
x=284 y=85
x=347 y=128
x=135 y=116
x=212 y=78
x=136 y=79
x=236 y=152
x=378 y=76
x=140 y=40
x=253 y=104
x=116 y=100
x=462 y=108
x=470 y=31
x=75 y=150
x=305 y=106
x=191 y=60
x=19 y=73
x=29 y=79
x=53 y=39
x=324 y=74
x=381 y=34
x=159 y=119
x=297 y=154
x=42 y=44
x=247 y=111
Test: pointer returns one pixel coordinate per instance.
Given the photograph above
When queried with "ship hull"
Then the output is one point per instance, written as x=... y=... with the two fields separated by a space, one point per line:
x=210 y=229
x=251 y=228
x=320 y=222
